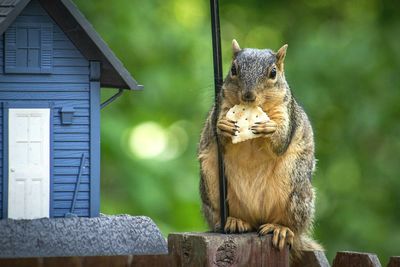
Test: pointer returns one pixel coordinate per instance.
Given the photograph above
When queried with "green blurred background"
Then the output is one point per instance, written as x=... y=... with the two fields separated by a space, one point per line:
x=343 y=65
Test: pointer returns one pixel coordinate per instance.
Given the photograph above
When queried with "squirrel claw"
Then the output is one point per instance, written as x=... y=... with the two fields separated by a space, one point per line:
x=265 y=128
x=281 y=235
x=234 y=225
x=227 y=128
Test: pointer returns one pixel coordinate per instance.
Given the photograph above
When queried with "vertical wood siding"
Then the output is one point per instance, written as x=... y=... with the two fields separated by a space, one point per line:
x=1 y=153
x=67 y=86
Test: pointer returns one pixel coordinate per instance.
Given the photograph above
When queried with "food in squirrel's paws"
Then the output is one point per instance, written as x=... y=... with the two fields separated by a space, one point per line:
x=245 y=116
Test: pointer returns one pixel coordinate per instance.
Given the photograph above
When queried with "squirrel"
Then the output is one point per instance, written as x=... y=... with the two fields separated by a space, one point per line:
x=268 y=178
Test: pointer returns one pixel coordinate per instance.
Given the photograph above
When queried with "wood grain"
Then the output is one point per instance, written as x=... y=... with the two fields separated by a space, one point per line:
x=355 y=259
x=212 y=249
x=394 y=261
x=312 y=259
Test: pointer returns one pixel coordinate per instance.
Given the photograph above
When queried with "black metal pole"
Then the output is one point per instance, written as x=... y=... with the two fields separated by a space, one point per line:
x=217 y=60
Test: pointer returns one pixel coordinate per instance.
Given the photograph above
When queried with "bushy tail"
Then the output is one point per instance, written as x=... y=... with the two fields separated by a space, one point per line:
x=301 y=244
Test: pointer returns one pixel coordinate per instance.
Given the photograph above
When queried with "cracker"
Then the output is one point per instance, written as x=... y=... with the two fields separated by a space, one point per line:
x=245 y=117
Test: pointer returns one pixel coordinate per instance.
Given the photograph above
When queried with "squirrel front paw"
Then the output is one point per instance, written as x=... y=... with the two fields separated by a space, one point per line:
x=281 y=235
x=227 y=128
x=234 y=225
x=264 y=128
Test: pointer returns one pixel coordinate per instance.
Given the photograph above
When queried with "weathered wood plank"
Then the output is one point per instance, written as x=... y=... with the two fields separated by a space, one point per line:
x=95 y=261
x=213 y=249
x=151 y=261
x=312 y=259
x=62 y=262
x=270 y=256
x=106 y=261
x=355 y=259
x=394 y=261
x=31 y=262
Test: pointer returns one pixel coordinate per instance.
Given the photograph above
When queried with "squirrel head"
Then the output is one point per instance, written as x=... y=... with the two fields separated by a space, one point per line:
x=256 y=76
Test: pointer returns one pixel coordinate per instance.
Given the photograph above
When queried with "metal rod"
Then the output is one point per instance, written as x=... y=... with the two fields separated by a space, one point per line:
x=78 y=182
x=217 y=60
x=111 y=99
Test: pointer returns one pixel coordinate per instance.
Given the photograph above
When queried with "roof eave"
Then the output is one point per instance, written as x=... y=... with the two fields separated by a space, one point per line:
x=113 y=73
x=86 y=39
x=99 y=42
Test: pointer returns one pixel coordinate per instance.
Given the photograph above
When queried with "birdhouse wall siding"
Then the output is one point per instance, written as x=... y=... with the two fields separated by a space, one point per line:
x=2 y=184
x=68 y=85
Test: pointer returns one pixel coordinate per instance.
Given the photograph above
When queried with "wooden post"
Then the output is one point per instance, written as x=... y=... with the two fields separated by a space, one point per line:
x=311 y=258
x=213 y=249
x=355 y=259
x=394 y=261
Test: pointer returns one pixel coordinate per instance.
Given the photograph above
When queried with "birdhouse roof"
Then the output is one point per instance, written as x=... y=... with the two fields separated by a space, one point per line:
x=68 y=17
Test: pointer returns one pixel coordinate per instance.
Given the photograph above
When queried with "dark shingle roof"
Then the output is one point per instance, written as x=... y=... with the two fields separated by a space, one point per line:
x=81 y=33
x=9 y=10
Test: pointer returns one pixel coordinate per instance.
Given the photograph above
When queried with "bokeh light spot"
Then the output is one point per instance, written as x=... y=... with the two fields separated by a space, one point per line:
x=148 y=140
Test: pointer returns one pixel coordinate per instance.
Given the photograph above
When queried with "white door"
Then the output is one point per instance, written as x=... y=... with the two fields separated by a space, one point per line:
x=29 y=163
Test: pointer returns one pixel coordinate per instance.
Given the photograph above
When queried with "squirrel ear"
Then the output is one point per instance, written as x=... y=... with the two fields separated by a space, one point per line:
x=280 y=56
x=235 y=47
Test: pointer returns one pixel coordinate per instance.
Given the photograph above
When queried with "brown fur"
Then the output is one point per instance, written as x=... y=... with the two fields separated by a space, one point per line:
x=268 y=177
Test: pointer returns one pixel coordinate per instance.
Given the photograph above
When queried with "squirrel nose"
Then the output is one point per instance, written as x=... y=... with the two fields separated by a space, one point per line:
x=248 y=96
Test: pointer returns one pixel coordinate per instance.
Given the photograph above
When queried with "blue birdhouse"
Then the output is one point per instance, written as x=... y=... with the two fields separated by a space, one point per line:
x=52 y=66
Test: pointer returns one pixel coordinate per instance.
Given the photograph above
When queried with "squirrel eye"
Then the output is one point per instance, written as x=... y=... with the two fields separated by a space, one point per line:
x=272 y=73
x=233 y=70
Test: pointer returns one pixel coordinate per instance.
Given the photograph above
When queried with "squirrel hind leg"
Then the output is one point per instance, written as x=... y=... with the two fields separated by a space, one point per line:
x=212 y=218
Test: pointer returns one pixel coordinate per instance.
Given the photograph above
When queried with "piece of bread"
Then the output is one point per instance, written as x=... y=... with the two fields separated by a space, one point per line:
x=245 y=116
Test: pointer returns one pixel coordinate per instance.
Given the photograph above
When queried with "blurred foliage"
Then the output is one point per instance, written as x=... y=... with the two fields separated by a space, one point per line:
x=343 y=65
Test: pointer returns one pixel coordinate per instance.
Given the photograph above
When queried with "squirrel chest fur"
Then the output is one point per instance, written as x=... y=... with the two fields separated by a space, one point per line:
x=269 y=177
x=256 y=192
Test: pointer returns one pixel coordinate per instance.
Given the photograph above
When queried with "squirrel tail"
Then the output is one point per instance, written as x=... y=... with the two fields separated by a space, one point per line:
x=301 y=244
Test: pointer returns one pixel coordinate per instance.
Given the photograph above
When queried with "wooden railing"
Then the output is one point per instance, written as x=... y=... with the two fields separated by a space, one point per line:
x=210 y=249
